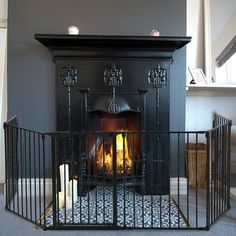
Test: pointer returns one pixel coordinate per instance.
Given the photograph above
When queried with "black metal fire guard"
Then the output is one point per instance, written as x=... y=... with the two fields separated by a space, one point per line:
x=96 y=180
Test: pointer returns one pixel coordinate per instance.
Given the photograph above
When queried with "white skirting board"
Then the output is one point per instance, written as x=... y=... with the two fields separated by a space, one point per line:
x=181 y=182
x=2 y=177
x=35 y=186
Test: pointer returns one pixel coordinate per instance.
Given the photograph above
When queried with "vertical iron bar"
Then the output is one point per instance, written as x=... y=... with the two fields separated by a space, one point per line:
x=72 y=137
x=153 y=159
x=208 y=139
x=134 y=173
x=169 y=200
x=69 y=108
x=57 y=142
x=187 y=170
x=55 y=202
x=161 y=162
x=26 y=190
x=81 y=137
x=103 y=173
x=39 y=167
x=196 y=173
x=157 y=156
x=124 y=180
x=212 y=176
x=17 y=161
x=44 y=187
x=114 y=182
x=221 y=169
x=224 y=169
x=30 y=176
x=6 y=136
x=216 y=175
x=225 y=165
x=35 y=190
x=9 y=167
x=64 y=165
x=12 y=167
x=96 y=182
x=89 y=176
x=228 y=162
x=144 y=171
x=21 y=172
x=178 y=158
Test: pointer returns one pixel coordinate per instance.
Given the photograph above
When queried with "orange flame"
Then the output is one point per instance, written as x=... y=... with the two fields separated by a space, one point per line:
x=123 y=157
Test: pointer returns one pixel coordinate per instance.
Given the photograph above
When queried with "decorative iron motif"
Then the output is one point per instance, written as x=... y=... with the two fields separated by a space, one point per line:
x=157 y=77
x=113 y=76
x=69 y=76
x=113 y=107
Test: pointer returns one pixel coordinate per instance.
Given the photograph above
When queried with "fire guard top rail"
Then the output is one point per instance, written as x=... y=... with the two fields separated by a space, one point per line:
x=120 y=179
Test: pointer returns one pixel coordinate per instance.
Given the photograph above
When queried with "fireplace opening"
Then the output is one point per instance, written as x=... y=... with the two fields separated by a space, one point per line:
x=116 y=134
x=104 y=157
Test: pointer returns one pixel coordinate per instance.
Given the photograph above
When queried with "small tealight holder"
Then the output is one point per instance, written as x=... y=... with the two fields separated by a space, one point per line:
x=155 y=33
x=73 y=30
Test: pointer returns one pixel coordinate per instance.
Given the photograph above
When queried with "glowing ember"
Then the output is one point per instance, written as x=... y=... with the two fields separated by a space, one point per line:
x=123 y=157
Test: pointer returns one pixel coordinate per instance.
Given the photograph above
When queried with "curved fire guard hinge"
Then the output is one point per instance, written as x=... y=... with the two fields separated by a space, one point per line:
x=113 y=78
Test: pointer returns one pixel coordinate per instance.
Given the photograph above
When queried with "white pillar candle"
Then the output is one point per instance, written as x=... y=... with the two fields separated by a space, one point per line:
x=68 y=202
x=61 y=199
x=64 y=177
x=72 y=189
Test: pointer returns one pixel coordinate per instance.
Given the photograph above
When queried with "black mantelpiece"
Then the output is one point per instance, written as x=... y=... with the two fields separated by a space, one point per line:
x=65 y=42
x=141 y=59
x=112 y=46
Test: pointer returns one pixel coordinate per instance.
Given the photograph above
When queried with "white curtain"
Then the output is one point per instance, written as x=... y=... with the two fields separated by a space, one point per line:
x=3 y=97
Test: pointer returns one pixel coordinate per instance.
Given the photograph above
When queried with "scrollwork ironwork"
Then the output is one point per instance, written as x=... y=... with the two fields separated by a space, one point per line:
x=113 y=77
x=157 y=77
x=69 y=76
x=113 y=107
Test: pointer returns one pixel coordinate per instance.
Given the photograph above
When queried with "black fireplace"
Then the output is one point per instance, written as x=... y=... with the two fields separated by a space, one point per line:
x=116 y=84
x=109 y=164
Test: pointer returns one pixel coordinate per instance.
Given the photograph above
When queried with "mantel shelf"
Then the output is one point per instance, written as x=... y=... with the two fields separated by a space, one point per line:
x=67 y=42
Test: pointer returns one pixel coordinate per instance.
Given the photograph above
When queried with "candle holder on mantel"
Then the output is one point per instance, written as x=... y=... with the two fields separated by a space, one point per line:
x=69 y=76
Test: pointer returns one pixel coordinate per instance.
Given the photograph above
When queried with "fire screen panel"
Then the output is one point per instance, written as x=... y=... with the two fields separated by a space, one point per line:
x=73 y=190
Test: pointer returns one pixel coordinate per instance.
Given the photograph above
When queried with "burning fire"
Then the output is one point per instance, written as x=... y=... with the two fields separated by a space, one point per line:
x=123 y=157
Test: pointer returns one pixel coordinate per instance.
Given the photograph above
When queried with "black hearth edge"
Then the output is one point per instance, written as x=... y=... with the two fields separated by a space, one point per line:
x=123 y=78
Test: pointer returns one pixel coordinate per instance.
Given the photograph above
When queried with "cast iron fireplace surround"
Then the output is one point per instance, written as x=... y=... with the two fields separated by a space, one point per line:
x=113 y=162
x=123 y=80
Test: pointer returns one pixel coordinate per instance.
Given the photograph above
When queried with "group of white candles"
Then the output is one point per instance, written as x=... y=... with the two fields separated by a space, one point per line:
x=68 y=194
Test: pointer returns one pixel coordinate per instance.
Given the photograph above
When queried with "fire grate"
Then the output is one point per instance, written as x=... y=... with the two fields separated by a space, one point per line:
x=97 y=208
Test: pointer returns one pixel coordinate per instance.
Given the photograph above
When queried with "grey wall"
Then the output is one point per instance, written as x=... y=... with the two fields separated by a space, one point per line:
x=31 y=71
